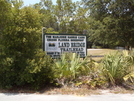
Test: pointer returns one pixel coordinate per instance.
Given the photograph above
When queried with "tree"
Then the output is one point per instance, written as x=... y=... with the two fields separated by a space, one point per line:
x=48 y=18
x=80 y=18
x=21 y=41
x=115 y=18
x=4 y=17
x=64 y=17
x=64 y=12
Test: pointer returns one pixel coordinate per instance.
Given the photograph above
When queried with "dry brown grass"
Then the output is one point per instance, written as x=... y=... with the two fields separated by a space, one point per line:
x=86 y=91
x=72 y=91
x=120 y=90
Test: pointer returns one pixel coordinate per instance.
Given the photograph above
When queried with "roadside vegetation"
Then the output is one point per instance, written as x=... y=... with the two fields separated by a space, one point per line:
x=115 y=69
x=23 y=63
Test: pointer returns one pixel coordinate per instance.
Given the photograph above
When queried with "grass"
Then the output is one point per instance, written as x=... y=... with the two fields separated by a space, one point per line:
x=98 y=52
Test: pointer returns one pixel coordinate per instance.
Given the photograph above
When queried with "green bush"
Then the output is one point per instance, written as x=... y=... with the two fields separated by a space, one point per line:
x=6 y=72
x=21 y=62
x=41 y=70
x=36 y=72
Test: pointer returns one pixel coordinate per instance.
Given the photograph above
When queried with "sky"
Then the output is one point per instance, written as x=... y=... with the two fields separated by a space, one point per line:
x=28 y=2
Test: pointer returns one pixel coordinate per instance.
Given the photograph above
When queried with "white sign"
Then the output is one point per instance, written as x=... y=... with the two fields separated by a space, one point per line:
x=55 y=44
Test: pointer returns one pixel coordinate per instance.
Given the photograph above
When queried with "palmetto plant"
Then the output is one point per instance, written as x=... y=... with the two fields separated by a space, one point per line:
x=115 y=66
x=95 y=77
x=69 y=67
x=129 y=78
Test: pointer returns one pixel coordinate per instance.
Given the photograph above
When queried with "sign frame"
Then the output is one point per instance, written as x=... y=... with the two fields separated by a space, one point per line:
x=83 y=43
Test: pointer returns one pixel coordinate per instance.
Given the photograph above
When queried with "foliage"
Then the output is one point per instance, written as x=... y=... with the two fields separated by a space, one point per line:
x=40 y=70
x=70 y=67
x=21 y=62
x=51 y=30
x=110 y=21
x=115 y=66
x=129 y=77
x=37 y=72
x=95 y=77
x=4 y=15
x=64 y=11
x=4 y=19
x=21 y=41
x=48 y=19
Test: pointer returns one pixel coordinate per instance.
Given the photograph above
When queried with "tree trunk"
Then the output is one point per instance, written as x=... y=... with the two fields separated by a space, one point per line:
x=127 y=47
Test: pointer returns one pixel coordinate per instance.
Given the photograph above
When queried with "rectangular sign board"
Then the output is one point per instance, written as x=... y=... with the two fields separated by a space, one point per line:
x=56 y=44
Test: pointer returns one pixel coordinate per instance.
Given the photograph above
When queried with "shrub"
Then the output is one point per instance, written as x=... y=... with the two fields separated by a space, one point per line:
x=115 y=66
x=40 y=70
x=69 y=67
x=95 y=77
x=36 y=72
x=6 y=72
